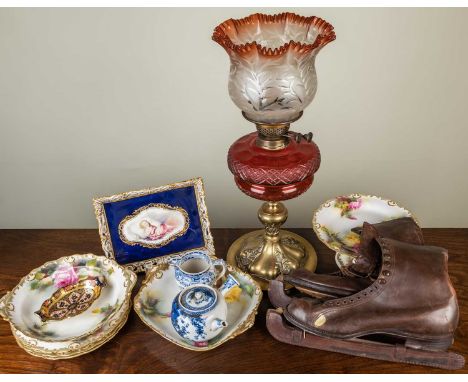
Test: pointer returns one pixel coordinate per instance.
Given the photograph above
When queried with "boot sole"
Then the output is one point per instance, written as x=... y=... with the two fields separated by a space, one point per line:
x=430 y=344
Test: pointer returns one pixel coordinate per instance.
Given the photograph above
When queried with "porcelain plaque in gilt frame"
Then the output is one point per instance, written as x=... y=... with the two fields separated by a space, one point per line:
x=138 y=228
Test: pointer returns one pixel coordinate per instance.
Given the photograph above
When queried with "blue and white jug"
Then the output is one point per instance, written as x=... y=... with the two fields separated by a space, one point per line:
x=197 y=267
x=199 y=311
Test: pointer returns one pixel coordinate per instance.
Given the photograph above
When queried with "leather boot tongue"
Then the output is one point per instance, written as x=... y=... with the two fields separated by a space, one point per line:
x=367 y=263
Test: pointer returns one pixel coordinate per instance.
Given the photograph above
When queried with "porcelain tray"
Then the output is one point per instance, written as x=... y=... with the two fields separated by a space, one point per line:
x=153 y=305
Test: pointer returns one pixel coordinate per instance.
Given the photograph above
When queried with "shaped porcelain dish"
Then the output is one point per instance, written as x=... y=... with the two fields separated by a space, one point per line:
x=335 y=222
x=153 y=304
x=20 y=306
x=70 y=349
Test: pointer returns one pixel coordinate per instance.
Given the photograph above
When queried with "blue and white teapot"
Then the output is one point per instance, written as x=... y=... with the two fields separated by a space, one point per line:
x=199 y=311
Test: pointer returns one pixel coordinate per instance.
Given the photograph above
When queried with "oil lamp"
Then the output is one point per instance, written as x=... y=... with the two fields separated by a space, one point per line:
x=272 y=80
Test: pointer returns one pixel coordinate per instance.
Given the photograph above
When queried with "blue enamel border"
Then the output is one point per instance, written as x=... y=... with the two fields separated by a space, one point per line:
x=184 y=197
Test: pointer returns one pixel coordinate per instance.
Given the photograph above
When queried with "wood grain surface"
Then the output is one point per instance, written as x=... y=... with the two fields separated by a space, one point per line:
x=137 y=349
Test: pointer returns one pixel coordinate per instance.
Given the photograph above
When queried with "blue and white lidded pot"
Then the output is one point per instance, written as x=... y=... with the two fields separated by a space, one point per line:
x=199 y=311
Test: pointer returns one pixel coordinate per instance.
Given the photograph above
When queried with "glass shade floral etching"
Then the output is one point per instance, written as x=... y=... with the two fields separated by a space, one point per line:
x=272 y=77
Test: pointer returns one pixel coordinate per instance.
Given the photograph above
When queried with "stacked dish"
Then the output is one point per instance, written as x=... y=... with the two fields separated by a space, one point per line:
x=70 y=306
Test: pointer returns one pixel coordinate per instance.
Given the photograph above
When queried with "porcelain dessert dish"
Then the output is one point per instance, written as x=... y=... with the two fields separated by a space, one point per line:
x=70 y=349
x=337 y=222
x=229 y=310
x=69 y=306
x=71 y=300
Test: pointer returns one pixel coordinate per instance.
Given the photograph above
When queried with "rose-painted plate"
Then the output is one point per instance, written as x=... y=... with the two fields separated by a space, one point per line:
x=54 y=302
x=336 y=222
x=153 y=304
x=82 y=345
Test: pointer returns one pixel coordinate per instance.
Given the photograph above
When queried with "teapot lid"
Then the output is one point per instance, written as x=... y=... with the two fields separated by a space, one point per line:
x=198 y=299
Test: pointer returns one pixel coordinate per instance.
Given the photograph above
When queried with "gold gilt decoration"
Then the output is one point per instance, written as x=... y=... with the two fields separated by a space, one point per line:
x=75 y=349
x=71 y=300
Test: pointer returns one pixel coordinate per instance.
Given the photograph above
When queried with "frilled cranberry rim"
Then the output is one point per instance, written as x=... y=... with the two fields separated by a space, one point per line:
x=325 y=35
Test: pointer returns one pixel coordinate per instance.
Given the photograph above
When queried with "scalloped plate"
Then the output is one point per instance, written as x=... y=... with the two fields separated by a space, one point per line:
x=154 y=300
x=334 y=221
x=78 y=347
x=19 y=306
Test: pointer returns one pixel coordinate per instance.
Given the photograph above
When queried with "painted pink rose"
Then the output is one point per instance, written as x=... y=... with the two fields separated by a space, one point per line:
x=64 y=275
x=355 y=204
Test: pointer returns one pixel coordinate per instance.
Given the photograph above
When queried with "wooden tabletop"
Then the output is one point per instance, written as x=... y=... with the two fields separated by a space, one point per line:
x=137 y=349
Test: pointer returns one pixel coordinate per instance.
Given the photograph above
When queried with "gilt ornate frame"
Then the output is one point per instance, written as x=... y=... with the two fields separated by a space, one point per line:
x=147 y=264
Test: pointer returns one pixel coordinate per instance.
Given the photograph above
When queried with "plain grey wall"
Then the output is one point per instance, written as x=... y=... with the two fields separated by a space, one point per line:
x=100 y=101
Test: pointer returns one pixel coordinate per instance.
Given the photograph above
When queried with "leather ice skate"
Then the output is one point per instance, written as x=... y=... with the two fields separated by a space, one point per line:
x=402 y=229
x=320 y=286
x=412 y=303
x=365 y=265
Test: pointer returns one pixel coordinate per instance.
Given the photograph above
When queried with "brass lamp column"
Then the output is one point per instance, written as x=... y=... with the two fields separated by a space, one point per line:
x=272 y=79
x=272 y=251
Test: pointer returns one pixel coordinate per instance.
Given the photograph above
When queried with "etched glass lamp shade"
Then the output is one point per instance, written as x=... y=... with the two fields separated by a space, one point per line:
x=272 y=77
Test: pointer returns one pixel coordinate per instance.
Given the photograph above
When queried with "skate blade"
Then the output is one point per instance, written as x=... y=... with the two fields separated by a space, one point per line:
x=362 y=348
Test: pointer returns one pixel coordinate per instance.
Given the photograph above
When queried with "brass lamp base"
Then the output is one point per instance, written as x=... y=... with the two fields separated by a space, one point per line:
x=266 y=254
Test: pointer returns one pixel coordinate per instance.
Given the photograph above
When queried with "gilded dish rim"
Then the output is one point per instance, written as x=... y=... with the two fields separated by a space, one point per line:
x=154 y=205
x=316 y=226
x=129 y=283
x=244 y=325
x=72 y=353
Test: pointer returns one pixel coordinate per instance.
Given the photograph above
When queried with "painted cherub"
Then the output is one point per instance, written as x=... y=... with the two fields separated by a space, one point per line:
x=155 y=230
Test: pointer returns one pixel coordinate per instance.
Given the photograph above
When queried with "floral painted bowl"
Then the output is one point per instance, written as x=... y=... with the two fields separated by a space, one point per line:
x=337 y=222
x=82 y=345
x=153 y=304
x=75 y=316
